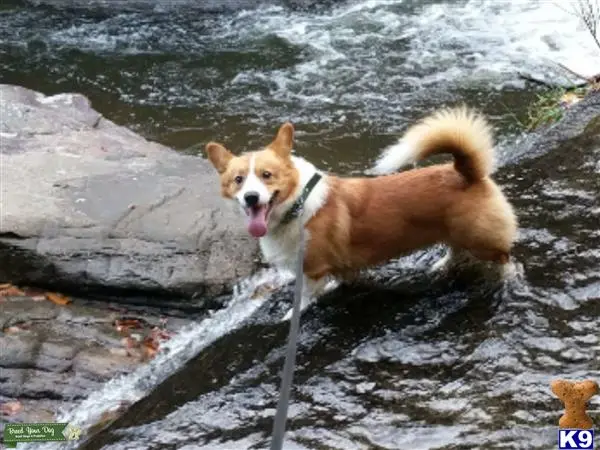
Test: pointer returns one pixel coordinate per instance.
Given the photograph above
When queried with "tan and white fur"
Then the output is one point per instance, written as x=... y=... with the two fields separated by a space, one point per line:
x=354 y=223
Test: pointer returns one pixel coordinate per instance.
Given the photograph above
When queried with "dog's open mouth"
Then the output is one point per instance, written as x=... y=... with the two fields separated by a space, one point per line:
x=259 y=216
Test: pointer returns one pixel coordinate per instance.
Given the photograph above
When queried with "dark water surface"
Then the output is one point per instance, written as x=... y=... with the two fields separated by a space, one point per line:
x=409 y=360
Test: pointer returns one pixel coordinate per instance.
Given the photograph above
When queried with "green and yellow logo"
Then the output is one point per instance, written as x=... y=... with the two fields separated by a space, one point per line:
x=38 y=432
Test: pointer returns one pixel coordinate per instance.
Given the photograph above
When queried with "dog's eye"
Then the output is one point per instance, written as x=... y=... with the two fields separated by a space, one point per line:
x=239 y=179
x=266 y=174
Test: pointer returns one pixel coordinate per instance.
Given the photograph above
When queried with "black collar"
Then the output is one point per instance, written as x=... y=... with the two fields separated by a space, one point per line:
x=296 y=208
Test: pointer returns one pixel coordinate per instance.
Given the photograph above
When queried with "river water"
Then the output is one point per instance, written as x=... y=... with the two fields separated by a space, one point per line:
x=407 y=360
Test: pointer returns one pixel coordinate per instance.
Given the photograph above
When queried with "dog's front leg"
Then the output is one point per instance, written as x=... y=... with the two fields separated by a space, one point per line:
x=311 y=289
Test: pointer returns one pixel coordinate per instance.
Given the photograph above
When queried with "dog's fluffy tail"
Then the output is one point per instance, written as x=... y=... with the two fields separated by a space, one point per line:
x=459 y=131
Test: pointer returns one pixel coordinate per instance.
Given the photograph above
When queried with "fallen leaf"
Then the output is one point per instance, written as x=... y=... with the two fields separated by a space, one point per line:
x=126 y=324
x=150 y=352
x=8 y=290
x=58 y=299
x=150 y=347
x=10 y=408
x=149 y=342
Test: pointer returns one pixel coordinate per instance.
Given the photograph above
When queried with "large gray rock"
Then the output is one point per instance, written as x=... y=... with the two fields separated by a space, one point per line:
x=91 y=206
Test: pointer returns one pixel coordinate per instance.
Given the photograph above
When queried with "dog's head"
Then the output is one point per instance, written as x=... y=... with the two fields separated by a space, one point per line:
x=261 y=180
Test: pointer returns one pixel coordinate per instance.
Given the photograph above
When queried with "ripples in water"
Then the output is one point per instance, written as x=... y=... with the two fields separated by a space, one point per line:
x=361 y=67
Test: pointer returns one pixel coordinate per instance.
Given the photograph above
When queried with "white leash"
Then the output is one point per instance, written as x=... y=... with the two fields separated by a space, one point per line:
x=290 y=355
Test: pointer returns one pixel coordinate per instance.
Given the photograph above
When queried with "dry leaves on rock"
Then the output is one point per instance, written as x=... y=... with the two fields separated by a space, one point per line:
x=124 y=325
x=151 y=343
x=150 y=347
x=58 y=299
x=9 y=290
x=145 y=342
x=10 y=408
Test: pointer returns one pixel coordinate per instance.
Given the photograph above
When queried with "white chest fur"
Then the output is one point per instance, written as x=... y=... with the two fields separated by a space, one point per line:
x=281 y=249
x=280 y=245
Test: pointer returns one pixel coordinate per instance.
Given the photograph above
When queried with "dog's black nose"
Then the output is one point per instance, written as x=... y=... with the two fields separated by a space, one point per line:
x=251 y=198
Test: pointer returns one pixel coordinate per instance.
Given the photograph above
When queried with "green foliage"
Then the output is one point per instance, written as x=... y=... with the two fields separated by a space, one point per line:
x=545 y=110
x=551 y=105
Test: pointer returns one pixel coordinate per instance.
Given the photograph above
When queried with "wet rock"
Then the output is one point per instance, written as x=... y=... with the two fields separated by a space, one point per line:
x=41 y=384
x=97 y=364
x=52 y=355
x=17 y=351
x=25 y=349
x=91 y=206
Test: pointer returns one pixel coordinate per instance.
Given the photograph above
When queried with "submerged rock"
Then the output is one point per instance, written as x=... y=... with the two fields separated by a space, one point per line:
x=90 y=206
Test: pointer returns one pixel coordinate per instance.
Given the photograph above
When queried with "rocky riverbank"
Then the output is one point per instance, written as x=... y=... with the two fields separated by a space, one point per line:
x=94 y=210
x=54 y=354
x=91 y=207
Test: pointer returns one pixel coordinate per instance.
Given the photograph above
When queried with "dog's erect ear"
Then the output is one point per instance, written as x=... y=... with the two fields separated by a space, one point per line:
x=284 y=141
x=219 y=156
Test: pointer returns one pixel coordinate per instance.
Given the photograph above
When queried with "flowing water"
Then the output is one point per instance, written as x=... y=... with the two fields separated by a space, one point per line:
x=407 y=360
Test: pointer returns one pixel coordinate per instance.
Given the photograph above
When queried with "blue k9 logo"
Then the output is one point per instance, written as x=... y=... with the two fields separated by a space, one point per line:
x=569 y=439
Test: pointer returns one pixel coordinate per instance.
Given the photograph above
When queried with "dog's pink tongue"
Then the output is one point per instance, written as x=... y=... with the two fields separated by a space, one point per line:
x=257 y=226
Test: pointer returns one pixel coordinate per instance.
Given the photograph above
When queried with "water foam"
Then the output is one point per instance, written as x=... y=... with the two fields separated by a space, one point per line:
x=379 y=58
x=187 y=343
x=374 y=46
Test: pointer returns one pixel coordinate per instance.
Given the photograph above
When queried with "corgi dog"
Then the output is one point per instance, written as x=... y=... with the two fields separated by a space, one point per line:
x=354 y=223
